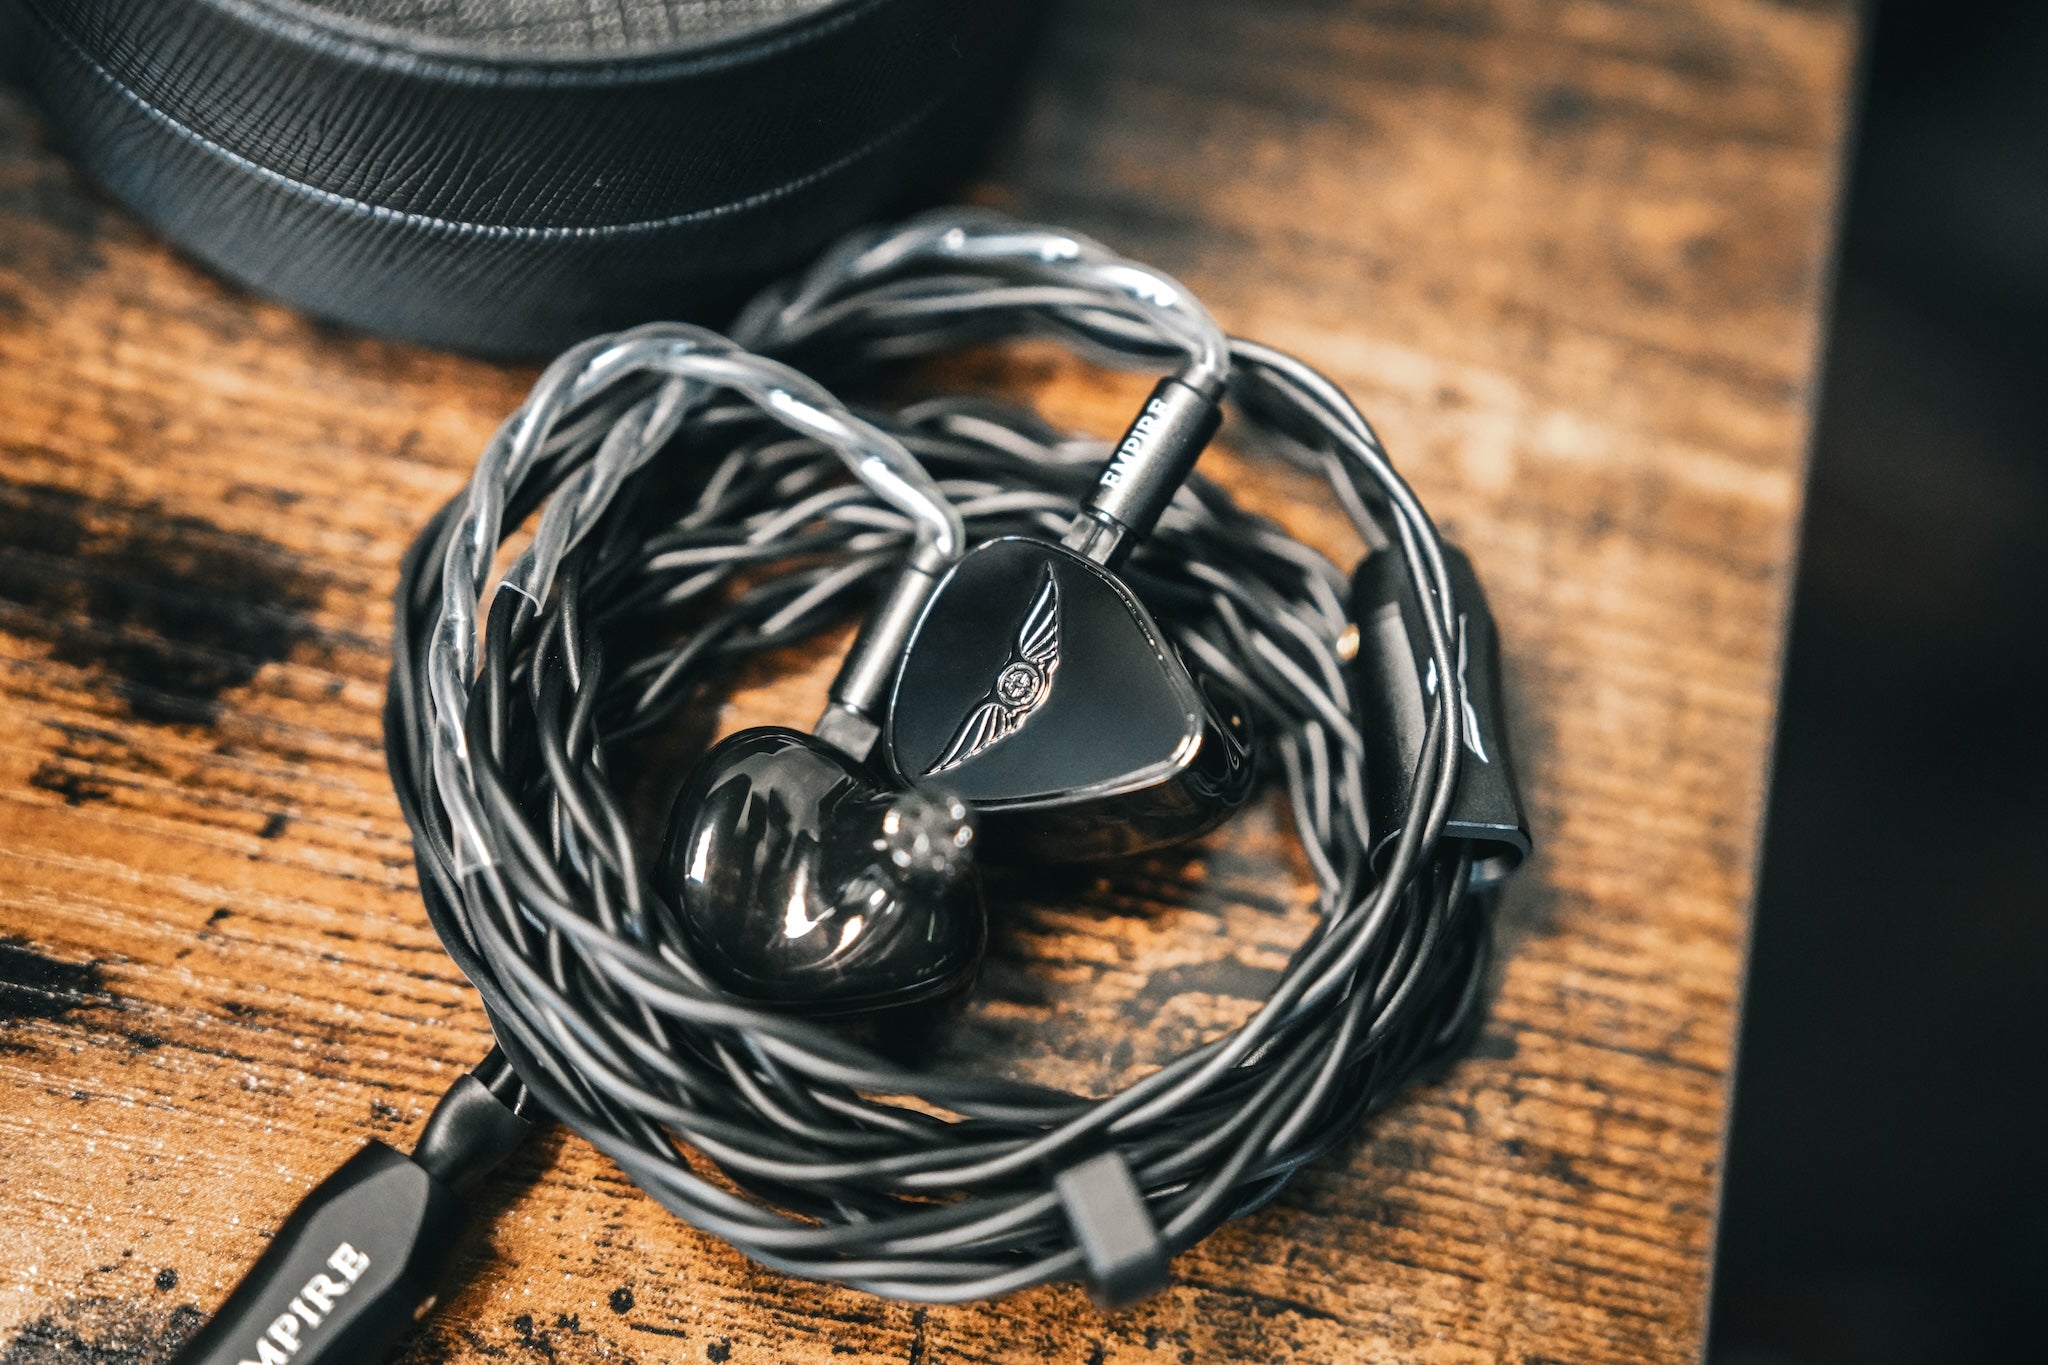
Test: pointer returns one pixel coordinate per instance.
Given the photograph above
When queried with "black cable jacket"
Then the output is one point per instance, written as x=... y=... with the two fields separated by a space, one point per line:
x=612 y=1058
x=819 y=1172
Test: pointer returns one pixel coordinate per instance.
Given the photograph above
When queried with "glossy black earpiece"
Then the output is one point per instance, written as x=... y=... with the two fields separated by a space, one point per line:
x=802 y=878
x=1039 y=690
x=1024 y=677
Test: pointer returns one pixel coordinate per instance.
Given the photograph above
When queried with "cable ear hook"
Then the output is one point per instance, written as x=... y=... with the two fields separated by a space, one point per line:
x=873 y=888
x=989 y=247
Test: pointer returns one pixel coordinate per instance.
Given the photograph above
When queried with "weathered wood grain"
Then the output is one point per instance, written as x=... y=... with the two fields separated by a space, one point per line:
x=1570 y=257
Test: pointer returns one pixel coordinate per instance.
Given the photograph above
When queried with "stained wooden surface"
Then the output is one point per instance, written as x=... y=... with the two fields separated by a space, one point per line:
x=1568 y=254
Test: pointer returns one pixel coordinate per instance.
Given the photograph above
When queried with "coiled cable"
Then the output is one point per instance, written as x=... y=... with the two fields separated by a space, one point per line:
x=695 y=505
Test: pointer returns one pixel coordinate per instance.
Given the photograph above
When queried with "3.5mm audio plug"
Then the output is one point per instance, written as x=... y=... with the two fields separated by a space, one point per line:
x=354 y=1265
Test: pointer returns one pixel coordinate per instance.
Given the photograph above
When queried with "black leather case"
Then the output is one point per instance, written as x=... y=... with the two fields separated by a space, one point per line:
x=506 y=176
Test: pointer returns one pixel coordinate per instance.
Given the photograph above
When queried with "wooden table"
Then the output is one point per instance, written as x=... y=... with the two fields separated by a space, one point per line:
x=1570 y=255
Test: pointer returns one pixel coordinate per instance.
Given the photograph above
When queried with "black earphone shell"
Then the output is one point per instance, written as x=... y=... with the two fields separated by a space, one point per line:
x=1038 y=688
x=1036 y=691
x=803 y=879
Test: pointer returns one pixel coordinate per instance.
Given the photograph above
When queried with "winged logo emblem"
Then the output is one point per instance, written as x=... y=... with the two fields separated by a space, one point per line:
x=1020 y=687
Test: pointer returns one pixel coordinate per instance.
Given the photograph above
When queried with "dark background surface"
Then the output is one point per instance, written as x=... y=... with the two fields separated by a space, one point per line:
x=1887 y=1197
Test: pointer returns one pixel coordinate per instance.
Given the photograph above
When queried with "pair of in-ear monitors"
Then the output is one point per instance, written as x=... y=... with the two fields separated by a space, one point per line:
x=1011 y=701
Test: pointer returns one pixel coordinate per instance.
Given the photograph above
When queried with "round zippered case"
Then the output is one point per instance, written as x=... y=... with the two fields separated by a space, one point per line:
x=506 y=176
